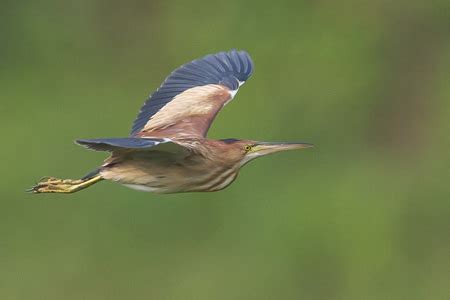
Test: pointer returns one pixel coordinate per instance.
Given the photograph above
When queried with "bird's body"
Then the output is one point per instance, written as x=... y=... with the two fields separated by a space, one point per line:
x=201 y=169
x=167 y=150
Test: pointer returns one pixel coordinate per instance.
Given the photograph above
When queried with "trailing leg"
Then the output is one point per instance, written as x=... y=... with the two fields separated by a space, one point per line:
x=55 y=185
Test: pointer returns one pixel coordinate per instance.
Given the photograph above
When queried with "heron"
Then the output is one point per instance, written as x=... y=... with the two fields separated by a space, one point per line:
x=168 y=150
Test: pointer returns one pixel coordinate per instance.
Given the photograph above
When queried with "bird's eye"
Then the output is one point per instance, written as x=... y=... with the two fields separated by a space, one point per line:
x=247 y=148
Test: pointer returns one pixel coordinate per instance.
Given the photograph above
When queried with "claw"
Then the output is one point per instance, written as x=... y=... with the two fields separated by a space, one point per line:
x=34 y=189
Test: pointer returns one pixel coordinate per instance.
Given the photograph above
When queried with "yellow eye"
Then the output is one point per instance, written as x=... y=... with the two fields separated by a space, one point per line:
x=248 y=148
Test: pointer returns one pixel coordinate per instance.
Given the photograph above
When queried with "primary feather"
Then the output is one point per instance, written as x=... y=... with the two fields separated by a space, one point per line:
x=111 y=144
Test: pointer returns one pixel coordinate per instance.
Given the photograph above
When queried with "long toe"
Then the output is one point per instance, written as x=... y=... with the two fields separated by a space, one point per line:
x=53 y=185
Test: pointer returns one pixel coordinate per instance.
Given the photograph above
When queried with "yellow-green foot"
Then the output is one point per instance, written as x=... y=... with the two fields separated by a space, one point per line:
x=55 y=185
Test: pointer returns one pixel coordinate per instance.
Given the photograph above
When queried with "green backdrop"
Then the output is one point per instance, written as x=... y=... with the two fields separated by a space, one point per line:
x=364 y=215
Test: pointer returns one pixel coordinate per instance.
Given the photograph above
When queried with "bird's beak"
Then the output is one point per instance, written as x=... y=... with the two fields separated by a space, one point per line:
x=265 y=148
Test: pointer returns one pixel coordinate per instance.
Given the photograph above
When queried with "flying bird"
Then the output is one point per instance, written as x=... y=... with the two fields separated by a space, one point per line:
x=167 y=150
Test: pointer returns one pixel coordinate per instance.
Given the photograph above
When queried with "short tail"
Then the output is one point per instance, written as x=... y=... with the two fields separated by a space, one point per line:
x=91 y=174
x=66 y=186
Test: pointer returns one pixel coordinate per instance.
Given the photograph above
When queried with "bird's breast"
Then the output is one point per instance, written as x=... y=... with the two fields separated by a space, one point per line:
x=181 y=176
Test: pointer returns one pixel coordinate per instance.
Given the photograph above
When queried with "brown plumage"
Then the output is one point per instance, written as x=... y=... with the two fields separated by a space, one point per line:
x=189 y=114
x=208 y=165
x=168 y=151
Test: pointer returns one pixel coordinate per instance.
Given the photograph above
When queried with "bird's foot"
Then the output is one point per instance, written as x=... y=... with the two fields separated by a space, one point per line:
x=55 y=185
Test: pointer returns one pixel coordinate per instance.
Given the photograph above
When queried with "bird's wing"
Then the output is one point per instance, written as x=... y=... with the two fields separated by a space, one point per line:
x=133 y=144
x=189 y=99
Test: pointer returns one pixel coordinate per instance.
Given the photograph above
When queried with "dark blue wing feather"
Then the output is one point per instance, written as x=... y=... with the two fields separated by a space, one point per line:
x=111 y=144
x=227 y=68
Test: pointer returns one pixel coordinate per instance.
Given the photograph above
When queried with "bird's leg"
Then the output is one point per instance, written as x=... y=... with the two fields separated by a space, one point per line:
x=55 y=185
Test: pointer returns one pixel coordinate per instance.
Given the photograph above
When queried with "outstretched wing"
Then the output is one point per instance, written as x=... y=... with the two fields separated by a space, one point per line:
x=189 y=99
x=136 y=144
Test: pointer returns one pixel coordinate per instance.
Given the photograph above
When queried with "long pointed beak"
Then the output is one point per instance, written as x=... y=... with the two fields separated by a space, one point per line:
x=264 y=148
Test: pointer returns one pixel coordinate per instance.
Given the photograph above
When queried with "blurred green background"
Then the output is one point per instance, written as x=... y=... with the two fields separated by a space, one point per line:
x=364 y=215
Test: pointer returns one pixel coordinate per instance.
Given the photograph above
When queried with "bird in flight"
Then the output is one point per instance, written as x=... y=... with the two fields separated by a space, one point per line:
x=167 y=150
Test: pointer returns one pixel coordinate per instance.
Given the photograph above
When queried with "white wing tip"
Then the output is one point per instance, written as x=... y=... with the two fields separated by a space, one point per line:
x=233 y=93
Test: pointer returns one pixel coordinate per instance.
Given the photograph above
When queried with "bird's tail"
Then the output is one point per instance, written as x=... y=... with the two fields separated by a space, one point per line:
x=55 y=185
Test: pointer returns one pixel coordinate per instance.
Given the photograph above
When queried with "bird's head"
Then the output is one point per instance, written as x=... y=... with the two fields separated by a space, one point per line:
x=247 y=150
